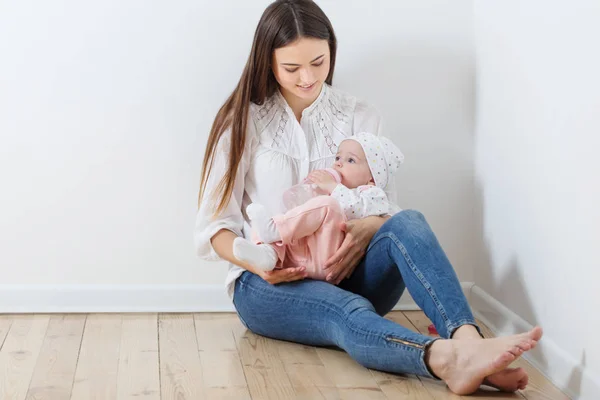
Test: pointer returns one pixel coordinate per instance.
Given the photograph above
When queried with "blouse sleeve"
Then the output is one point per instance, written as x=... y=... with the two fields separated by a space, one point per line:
x=361 y=202
x=368 y=119
x=207 y=224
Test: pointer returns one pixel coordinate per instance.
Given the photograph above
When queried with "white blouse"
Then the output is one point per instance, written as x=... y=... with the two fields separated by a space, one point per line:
x=279 y=153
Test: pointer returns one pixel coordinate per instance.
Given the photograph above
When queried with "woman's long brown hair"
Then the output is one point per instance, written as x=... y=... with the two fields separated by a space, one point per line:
x=283 y=22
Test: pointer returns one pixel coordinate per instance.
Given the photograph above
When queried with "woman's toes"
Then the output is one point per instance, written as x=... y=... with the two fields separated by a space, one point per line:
x=516 y=351
x=508 y=380
x=525 y=346
x=503 y=360
x=536 y=333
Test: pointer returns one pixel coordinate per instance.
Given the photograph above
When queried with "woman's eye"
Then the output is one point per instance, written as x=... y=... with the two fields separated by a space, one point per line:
x=318 y=65
x=291 y=70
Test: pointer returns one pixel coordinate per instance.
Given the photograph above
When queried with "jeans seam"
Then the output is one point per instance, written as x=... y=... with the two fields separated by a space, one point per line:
x=413 y=267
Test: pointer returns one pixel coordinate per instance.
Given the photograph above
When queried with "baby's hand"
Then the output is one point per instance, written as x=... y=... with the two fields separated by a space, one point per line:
x=323 y=180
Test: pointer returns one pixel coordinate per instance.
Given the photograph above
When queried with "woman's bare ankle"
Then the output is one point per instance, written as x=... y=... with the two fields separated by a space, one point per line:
x=466 y=332
x=438 y=357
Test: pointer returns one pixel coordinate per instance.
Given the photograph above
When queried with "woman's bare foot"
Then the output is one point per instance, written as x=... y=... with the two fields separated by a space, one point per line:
x=508 y=380
x=464 y=363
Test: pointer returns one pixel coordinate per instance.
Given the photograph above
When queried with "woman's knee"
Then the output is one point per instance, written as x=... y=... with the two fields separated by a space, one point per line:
x=407 y=220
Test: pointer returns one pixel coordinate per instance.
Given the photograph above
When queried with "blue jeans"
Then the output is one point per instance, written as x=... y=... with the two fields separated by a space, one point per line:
x=404 y=253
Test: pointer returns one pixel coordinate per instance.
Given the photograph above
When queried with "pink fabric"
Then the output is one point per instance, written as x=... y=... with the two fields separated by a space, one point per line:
x=311 y=234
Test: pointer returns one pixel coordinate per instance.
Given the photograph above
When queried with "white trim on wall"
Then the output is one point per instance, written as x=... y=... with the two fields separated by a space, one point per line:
x=113 y=298
x=129 y=298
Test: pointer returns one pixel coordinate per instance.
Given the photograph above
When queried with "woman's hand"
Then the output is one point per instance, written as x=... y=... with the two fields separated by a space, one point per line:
x=323 y=179
x=359 y=233
x=282 y=275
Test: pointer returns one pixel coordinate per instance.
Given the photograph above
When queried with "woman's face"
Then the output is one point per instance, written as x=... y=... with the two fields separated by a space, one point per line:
x=301 y=67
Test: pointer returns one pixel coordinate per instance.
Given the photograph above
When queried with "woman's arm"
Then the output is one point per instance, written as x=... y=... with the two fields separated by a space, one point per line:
x=222 y=243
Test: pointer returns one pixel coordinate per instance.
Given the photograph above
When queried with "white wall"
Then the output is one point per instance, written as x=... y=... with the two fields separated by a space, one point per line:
x=105 y=108
x=537 y=164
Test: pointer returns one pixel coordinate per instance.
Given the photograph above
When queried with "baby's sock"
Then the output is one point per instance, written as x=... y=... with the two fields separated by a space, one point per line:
x=261 y=256
x=262 y=223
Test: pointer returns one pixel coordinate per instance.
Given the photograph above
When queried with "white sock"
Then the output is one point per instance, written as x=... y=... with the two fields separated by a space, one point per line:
x=262 y=223
x=261 y=256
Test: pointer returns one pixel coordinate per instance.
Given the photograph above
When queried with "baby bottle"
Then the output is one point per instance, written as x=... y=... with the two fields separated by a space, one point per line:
x=306 y=190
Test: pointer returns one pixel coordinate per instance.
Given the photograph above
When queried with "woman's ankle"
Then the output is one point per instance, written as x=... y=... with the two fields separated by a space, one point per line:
x=466 y=332
x=437 y=357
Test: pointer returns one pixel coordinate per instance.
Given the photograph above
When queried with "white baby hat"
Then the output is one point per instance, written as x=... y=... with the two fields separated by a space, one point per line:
x=383 y=156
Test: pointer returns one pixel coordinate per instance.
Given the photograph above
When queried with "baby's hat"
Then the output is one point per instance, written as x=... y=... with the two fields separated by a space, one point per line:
x=383 y=156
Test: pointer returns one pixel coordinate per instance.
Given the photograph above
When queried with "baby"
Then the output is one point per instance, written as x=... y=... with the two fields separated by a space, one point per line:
x=309 y=234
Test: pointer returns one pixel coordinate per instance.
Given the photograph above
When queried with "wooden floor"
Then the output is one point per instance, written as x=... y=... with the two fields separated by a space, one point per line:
x=196 y=356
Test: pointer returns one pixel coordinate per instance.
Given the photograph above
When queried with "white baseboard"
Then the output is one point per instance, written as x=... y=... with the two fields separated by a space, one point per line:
x=128 y=298
x=556 y=364
x=113 y=298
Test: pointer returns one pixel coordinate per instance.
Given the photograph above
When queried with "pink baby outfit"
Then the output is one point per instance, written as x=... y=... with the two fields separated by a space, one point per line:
x=310 y=235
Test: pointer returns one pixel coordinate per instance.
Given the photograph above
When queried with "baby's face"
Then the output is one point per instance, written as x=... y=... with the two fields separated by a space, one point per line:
x=351 y=163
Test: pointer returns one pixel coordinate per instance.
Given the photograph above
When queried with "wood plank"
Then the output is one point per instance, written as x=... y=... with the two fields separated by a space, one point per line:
x=55 y=368
x=346 y=372
x=396 y=386
x=420 y=321
x=401 y=319
x=439 y=390
x=316 y=393
x=307 y=373
x=360 y=393
x=214 y=331
x=19 y=354
x=222 y=369
x=227 y=393
x=138 y=375
x=5 y=323
x=180 y=367
x=96 y=373
x=264 y=371
x=296 y=353
x=221 y=365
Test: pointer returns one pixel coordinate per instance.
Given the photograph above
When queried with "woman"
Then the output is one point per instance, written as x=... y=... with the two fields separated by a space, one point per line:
x=282 y=121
